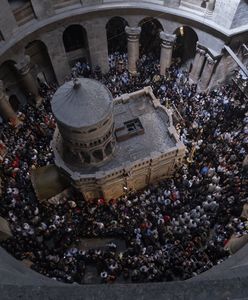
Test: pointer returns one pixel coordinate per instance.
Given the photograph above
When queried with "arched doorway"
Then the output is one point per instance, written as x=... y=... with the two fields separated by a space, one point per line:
x=40 y=60
x=149 y=37
x=116 y=35
x=14 y=102
x=185 y=45
x=76 y=44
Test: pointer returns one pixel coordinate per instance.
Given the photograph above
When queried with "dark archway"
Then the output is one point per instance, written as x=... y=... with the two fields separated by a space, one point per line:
x=116 y=35
x=149 y=37
x=185 y=45
x=40 y=60
x=76 y=44
x=14 y=102
x=10 y=79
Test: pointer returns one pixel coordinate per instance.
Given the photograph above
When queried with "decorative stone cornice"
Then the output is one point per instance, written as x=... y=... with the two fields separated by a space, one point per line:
x=23 y=66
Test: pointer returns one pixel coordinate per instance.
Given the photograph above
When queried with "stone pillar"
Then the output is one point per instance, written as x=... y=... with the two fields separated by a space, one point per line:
x=207 y=72
x=210 y=8
x=98 y=44
x=6 y=111
x=166 y=50
x=133 y=34
x=199 y=60
x=56 y=51
x=28 y=82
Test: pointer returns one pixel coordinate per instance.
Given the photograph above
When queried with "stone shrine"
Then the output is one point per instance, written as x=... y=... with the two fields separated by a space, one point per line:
x=107 y=147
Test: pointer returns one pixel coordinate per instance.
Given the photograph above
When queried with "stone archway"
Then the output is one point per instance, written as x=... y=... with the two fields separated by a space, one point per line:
x=76 y=44
x=149 y=37
x=185 y=44
x=40 y=62
x=116 y=35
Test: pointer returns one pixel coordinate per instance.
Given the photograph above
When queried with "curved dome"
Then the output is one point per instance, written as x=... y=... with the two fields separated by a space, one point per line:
x=81 y=103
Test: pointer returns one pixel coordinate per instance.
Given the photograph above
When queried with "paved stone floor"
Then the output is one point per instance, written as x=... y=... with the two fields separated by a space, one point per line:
x=91 y=276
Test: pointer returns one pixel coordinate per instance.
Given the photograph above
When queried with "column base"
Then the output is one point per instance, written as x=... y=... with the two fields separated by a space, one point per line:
x=202 y=88
x=193 y=80
x=162 y=73
x=133 y=73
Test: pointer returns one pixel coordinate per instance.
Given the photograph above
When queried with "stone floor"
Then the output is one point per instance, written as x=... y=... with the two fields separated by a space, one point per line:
x=91 y=276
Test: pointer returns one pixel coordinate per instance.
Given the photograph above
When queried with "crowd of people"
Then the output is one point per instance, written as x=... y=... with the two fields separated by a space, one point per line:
x=174 y=229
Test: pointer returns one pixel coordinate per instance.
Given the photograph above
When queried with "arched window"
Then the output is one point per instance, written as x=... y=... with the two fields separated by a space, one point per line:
x=98 y=155
x=86 y=157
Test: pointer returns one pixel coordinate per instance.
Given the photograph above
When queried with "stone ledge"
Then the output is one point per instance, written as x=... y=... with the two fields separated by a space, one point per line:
x=225 y=281
x=26 y=30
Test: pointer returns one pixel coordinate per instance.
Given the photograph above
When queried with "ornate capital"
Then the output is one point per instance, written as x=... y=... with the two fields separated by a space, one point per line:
x=167 y=39
x=210 y=60
x=23 y=66
x=133 y=32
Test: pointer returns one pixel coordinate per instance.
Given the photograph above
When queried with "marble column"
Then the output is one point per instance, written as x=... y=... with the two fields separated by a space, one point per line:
x=6 y=111
x=133 y=34
x=199 y=60
x=207 y=72
x=166 y=51
x=27 y=81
